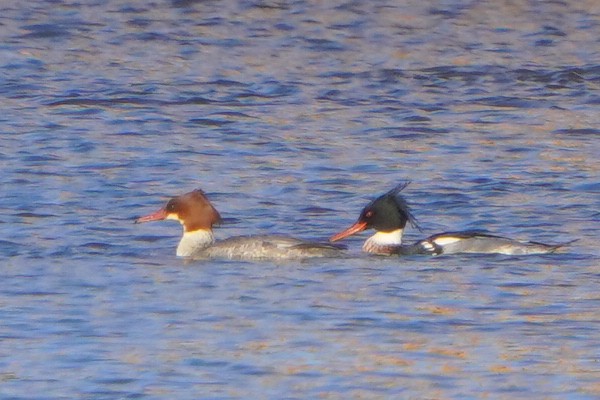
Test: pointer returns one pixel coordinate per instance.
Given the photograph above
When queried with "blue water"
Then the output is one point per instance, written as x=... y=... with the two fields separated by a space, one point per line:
x=291 y=116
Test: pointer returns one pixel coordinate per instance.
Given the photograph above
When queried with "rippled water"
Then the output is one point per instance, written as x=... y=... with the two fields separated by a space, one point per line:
x=292 y=115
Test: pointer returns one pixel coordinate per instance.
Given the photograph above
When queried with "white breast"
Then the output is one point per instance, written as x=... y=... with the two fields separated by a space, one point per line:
x=192 y=242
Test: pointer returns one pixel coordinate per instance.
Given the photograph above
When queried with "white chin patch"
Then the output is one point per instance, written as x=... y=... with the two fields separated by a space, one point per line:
x=174 y=217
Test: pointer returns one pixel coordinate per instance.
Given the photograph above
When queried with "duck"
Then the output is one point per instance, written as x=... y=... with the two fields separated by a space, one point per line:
x=389 y=214
x=197 y=215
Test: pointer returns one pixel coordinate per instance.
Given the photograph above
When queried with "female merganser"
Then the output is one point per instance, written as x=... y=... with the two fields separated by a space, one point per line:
x=389 y=214
x=197 y=215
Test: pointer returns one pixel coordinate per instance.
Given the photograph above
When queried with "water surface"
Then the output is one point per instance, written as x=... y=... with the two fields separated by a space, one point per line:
x=291 y=116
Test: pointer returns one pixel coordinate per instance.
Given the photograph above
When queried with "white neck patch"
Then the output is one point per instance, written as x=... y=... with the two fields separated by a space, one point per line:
x=193 y=241
x=380 y=239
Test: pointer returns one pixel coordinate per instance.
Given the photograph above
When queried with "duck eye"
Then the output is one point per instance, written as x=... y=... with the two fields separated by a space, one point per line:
x=369 y=214
x=170 y=207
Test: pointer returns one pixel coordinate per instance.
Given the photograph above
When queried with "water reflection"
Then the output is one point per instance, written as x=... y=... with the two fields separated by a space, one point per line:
x=291 y=116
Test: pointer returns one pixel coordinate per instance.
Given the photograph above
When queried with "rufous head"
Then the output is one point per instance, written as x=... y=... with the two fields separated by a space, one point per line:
x=193 y=210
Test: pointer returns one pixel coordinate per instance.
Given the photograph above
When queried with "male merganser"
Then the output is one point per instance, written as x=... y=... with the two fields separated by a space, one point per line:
x=389 y=214
x=197 y=215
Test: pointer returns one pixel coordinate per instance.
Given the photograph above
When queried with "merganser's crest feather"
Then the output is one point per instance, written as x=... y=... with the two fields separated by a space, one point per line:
x=403 y=205
x=392 y=211
x=193 y=210
x=388 y=213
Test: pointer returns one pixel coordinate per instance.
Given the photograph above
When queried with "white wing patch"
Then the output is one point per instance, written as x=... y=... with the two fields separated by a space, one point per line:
x=446 y=240
x=427 y=245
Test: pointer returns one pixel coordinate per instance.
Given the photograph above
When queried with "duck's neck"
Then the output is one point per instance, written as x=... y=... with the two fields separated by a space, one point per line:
x=383 y=242
x=191 y=242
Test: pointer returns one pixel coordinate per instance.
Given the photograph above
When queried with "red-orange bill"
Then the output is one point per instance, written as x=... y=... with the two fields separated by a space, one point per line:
x=157 y=216
x=357 y=227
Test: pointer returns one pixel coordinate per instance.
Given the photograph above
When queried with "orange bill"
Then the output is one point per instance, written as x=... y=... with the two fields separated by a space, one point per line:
x=157 y=216
x=357 y=227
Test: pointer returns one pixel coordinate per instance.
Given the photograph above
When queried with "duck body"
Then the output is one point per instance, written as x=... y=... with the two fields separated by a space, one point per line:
x=197 y=216
x=264 y=247
x=389 y=214
x=481 y=242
